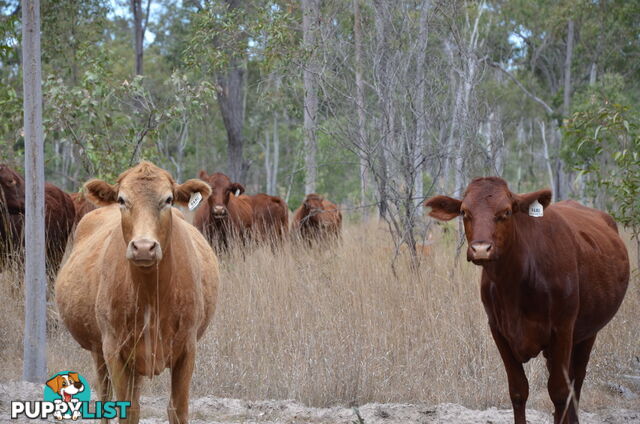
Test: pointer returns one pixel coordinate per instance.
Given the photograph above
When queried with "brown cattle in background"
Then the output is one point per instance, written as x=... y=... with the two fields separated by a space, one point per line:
x=59 y=217
x=549 y=283
x=226 y=215
x=270 y=218
x=140 y=285
x=317 y=219
x=81 y=205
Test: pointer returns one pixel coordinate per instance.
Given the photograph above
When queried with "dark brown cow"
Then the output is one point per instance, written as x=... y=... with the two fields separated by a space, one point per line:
x=59 y=217
x=81 y=205
x=549 y=283
x=317 y=219
x=270 y=218
x=226 y=215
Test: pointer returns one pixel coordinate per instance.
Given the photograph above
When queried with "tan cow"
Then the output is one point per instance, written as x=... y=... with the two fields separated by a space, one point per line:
x=140 y=285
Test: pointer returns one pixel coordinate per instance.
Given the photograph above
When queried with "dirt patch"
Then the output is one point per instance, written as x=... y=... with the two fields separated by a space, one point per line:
x=227 y=411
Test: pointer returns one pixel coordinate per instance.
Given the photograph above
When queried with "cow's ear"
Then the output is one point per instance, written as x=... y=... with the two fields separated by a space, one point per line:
x=203 y=175
x=443 y=208
x=54 y=384
x=184 y=191
x=237 y=188
x=100 y=193
x=522 y=201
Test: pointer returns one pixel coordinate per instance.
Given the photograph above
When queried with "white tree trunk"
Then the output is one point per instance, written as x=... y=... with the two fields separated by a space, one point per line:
x=547 y=159
x=362 y=132
x=276 y=156
x=35 y=338
x=421 y=112
x=310 y=18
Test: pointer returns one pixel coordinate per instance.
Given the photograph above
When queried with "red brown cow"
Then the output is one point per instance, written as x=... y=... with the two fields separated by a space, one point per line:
x=270 y=218
x=552 y=277
x=317 y=219
x=59 y=217
x=226 y=215
x=81 y=205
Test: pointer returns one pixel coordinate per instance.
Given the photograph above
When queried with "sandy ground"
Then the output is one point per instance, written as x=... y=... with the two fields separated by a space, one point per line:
x=226 y=411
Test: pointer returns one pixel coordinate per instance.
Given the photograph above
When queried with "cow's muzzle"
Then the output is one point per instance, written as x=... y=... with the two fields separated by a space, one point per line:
x=144 y=252
x=480 y=251
x=219 y=212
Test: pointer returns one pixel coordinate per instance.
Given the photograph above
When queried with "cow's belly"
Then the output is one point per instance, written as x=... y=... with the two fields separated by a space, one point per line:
x=526 y=337
x=528 y=342
x=151 y=354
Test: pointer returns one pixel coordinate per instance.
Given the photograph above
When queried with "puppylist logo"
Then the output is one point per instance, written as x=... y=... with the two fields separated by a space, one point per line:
x=67 y=397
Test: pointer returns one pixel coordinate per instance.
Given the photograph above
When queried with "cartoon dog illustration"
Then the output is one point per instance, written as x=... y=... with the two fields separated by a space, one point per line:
x=66 y=385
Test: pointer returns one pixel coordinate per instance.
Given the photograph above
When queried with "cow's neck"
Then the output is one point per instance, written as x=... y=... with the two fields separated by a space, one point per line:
x=152 y=284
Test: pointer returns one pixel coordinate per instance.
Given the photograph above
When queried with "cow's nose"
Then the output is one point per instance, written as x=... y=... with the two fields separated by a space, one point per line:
x=219 y=210
x=481 y=250
x=143 y=250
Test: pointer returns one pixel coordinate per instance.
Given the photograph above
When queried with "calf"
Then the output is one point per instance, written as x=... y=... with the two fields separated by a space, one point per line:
x=140 y=285
x=226 y=216
x=59 y=217
x=317 y=219
x=552 y=277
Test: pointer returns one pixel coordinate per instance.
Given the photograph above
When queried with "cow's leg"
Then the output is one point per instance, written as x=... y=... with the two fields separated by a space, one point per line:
x=559 y=385
x=181 y=373
x=581 y=354
x=124 y=380
x=104 y=384
x=518 y=384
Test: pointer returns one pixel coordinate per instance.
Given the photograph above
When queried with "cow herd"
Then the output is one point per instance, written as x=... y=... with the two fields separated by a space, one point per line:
x=139 y=286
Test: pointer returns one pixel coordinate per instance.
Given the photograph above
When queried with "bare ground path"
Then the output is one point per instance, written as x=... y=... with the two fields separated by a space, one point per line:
x=226 y=411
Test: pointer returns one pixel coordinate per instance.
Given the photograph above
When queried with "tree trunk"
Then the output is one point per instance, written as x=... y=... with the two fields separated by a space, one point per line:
x=420 y=109
x=362 y=132
x=547 y=159
x=310 y=22
x=276 y=156
x=140 y=21
x=267 y=161
x=35 y=338
x=230 y=99
x=566 y=104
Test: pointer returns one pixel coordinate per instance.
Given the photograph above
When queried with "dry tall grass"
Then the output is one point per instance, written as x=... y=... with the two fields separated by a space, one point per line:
x=337 y=327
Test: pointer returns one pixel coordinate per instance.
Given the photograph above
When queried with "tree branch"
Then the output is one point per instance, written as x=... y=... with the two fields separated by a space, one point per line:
x=535 y=98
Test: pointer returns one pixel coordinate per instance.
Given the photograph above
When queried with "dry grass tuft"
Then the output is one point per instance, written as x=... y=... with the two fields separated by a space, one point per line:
x=337 y=327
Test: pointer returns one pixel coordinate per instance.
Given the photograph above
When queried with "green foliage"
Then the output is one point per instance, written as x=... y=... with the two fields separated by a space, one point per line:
x=603 y=139
x=221 y=34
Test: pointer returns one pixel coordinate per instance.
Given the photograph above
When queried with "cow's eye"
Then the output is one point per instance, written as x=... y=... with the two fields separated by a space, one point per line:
x=121 y=201
x=464 y=214
x=169 y=200
x=12 y=182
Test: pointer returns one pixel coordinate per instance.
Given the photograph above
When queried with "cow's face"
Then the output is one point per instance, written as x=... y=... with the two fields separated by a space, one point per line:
x=12 y=190
x=221 y=191
x=487 y=210
x=313 y=202
x=312 y=205
x=145 y=194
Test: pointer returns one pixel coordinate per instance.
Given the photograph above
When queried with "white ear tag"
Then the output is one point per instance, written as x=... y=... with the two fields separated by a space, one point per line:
x=536 y=209
x=237 y=192
x=194 y=201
